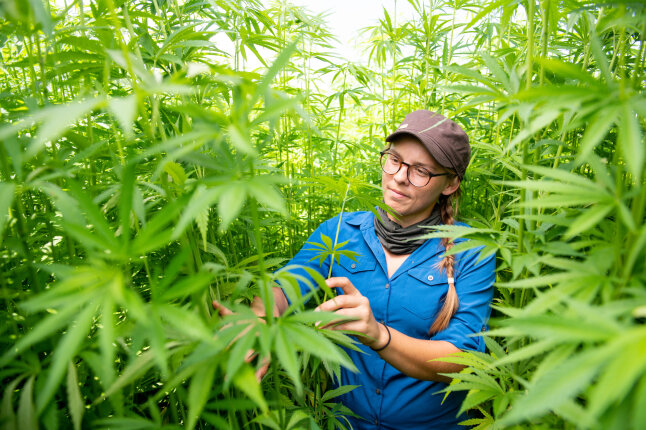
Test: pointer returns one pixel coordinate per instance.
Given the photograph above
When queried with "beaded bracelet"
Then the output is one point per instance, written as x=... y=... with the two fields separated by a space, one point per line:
x=387 y=343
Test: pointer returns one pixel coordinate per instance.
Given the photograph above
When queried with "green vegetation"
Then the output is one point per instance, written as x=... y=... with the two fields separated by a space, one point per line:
x=146 y=170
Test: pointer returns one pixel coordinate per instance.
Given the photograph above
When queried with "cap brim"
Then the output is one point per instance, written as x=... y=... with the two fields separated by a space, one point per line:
x=429 y=144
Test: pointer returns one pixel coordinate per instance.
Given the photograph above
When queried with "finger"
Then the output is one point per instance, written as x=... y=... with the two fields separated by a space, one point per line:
x=345 y=315
x=343 y=283
x=222 y=310
x=250 y=355
x=338 y=302
x=262 y=370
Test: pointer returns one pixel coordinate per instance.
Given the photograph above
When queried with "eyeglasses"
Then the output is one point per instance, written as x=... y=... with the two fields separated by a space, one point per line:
x=417 y=175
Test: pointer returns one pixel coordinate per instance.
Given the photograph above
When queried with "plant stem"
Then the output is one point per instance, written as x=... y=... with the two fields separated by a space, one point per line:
x=338 y=227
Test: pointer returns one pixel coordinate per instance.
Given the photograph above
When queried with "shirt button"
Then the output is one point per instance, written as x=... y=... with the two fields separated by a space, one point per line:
x=354 y=266
x=387 y=285
x=430 y=277
x=378 y=391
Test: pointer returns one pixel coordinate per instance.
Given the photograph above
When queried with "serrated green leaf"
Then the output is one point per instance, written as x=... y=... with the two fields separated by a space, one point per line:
x=475 y=398
x=201 y=198
x=202 y=221
x=327 y=241
x=331 y=394
x=176 y=172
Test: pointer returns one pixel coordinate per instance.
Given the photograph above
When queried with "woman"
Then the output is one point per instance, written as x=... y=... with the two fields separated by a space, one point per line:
x=411 y=303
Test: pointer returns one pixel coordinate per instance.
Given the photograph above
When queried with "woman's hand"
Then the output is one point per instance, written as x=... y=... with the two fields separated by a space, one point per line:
x=251 y=354
x=354 y=306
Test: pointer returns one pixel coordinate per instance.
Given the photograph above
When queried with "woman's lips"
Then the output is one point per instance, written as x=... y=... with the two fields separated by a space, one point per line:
x=397 y=194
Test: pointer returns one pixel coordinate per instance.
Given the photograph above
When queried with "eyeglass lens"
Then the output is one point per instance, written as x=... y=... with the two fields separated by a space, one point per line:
x=391 y=165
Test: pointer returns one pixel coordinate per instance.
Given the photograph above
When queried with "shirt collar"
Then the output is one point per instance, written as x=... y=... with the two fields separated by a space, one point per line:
x=364 y=220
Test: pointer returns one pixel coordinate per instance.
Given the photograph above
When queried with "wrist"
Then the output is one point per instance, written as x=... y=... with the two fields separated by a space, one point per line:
x=383 y=339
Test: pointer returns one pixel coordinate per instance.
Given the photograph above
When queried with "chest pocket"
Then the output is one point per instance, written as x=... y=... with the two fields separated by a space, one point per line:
x=424 y=292
x=351 y=267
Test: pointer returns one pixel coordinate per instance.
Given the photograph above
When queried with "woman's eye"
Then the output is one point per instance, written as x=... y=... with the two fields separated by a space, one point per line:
x=422 y=172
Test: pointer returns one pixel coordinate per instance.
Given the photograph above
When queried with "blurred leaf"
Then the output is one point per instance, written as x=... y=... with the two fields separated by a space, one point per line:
x=27 y=416
x=202 y=198
x=63 y=354
x=596 y=130
x=199 y=392
x=176 y=172
x=631 y=143
x=267 y=194
x=287 y=357
x=74 y=399
x=42 y=15
x=559 y=384
x=230 y=203
x=245 y=381
x=7 y=414
x=56 y=120
x=240 y=140
x=331 y=394
x=622 y=371
x=45 y=328
x=589 y=218
x=124 y=110
x=202 y=221
x=6 y=200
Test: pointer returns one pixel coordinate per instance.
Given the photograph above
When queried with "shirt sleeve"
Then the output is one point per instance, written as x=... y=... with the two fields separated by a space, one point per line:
x=297 y=278
x=474 y=284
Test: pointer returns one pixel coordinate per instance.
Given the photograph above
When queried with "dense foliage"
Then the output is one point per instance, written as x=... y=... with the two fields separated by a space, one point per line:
x=147 y=169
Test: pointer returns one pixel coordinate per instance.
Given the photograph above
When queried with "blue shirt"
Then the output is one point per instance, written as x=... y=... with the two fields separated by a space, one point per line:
x=408 y=302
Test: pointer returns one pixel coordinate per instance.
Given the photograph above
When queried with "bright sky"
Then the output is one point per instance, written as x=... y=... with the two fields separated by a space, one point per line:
x=346 y=17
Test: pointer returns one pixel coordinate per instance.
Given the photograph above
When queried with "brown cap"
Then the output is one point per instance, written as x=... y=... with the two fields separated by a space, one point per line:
x=444 y=139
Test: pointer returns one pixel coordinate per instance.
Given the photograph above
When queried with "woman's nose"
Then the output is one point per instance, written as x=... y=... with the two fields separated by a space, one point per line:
x=402 y=174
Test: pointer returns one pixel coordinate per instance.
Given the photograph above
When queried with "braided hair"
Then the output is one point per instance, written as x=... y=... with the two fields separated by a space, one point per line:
x=451 y=301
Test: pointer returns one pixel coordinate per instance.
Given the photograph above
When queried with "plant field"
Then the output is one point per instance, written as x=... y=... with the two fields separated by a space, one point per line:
x=158 y=154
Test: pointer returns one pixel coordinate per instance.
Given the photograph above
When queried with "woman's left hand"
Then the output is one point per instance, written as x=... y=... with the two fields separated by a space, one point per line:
x=354 y=305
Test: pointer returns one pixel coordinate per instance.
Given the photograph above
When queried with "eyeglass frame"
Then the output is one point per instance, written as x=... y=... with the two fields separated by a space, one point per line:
x=431 y=175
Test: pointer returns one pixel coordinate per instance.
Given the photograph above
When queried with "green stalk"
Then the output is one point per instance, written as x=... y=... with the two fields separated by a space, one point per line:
x=639 y=60
x=338 y=227
x=338 y=127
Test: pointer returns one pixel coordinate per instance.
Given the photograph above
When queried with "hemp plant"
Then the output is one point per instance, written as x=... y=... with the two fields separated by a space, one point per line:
x=332 y=249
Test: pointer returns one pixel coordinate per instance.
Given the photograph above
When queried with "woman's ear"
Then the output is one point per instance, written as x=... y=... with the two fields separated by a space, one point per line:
x=451 y=186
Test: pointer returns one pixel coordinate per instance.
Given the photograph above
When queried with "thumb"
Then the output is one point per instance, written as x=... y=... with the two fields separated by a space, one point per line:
x=344 y=284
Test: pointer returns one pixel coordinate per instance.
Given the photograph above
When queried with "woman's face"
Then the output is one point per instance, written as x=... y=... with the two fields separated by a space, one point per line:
x=414 y=204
